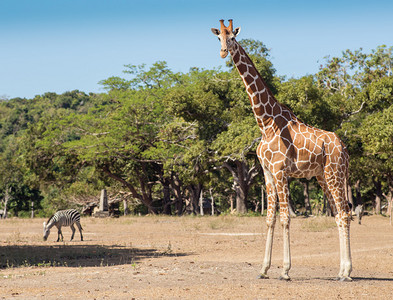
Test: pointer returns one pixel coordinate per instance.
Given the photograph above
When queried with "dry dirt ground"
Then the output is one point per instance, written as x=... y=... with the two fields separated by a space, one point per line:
x=191 y=258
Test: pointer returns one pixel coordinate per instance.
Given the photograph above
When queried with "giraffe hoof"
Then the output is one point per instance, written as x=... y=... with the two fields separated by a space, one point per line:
x=284 y=277
x=263 y=276
x=345 y=279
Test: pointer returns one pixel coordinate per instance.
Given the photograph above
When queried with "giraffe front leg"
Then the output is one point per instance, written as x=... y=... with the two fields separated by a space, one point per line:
x=268 y=248
x=283 y=196
x=270 y=221
x=287 y=254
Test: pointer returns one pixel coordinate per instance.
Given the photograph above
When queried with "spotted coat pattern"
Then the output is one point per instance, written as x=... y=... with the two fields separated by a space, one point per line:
x=291 y=148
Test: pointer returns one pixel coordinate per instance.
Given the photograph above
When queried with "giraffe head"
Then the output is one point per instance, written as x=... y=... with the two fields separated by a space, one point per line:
x=226 y=36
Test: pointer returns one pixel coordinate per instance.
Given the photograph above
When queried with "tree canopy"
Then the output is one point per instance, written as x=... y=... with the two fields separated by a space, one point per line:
x=171 y=141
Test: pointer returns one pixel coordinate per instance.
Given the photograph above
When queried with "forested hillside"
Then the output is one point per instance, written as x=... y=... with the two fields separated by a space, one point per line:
x=162 y=140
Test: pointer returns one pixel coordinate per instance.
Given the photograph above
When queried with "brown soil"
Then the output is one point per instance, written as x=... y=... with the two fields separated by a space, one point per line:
x=191 y=258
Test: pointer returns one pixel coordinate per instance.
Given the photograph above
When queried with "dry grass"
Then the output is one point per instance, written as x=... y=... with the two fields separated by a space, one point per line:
x=222 y=223
x=318 y=224
x=160 y=257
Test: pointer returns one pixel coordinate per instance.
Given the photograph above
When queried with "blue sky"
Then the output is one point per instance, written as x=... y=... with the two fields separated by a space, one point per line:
x=62 y=45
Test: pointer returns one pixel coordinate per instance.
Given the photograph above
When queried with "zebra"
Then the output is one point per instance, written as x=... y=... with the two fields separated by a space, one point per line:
x=63 y=218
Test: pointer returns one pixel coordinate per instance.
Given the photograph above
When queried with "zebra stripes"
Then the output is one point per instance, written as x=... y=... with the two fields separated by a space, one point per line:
x=61 y=218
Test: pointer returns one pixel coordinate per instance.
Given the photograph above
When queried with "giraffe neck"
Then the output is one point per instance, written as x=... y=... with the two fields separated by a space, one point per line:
x=265 y=107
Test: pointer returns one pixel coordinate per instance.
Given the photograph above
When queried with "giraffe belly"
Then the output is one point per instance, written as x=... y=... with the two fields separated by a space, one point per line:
x=294 y=162
x=297 y=169
x=306 y=166
x=305 y=173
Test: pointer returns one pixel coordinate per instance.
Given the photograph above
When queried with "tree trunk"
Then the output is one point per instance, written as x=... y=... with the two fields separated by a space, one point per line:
x=358 y=198
x=201 y=203
x=389 y=199
x=195 y=192
x=390 y=206
x=290 y=202
x=231 y=202
x=125 y=205
x=326 y=207
x=291 y=209
x=242 y=180
x=6 y=199
x=377 y=204
x=306 y=195
x=241 y=188
x=378 y=197
x=166 y=201
x=212 y=199
x=176 y=187
x=145 y=198
x=241 y=197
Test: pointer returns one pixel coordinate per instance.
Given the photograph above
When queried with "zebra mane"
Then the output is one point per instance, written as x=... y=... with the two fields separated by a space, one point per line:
x=49 y=219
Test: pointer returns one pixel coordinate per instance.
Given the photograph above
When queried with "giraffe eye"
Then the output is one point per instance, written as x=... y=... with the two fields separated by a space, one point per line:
x=219 y=39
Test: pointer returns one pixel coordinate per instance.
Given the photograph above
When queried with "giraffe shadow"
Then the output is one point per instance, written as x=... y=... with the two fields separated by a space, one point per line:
x=354 y=279
x=77 y=255
x=371 y=279
x=334 y=279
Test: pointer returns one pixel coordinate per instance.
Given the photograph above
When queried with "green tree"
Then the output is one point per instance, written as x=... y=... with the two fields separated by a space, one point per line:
x=358 y=85
x=308 y=103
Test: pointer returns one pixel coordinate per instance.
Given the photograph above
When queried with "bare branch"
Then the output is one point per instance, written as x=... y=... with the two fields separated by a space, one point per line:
x=346 y=116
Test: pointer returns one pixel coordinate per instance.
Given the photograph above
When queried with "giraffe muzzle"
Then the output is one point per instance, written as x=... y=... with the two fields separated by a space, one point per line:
x=223 y=53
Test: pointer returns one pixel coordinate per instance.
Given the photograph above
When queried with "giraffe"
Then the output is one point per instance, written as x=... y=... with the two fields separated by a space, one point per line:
x=291 y=148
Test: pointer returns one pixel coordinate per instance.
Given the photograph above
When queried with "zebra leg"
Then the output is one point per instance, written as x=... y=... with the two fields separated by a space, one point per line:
x=80 y=229
x=59 y=234
x=73 y=232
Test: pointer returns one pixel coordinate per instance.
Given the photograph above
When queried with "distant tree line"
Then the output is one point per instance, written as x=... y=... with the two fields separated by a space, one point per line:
x=168 y=141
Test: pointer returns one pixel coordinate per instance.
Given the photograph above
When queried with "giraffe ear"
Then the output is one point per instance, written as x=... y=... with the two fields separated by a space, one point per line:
x=236 y=31
x=215 y=31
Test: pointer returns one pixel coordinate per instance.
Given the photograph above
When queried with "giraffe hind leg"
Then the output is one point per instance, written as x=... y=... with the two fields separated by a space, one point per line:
x=322 y=182
x=343 y=219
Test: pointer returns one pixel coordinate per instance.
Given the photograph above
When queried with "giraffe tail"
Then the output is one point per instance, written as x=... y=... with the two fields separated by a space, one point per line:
x=347 y=183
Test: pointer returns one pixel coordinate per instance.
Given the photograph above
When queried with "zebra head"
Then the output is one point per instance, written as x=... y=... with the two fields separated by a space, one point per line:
x=46 y=232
